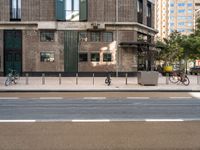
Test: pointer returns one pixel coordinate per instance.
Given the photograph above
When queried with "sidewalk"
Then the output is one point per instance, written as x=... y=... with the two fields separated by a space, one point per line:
x=86 y=84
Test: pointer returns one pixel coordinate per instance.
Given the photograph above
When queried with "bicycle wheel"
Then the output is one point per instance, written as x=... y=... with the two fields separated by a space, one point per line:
x=8 y=81
x=186 y=81
x=173 y=79
x=107 y=81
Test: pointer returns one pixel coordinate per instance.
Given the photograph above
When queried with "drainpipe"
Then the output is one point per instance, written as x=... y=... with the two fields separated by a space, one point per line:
x=117 y=38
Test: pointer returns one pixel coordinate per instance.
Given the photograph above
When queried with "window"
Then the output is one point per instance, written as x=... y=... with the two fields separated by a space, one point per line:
x=15 y=10
x=189 y=17
x=83 y=57
x=47 y=57
x=190 y=23
x=181 y=23
x=83 y=36
x=140 y=11
x=181 y=10
x=181 y=4
x=181 y=17
x=47 y=36
x=95 y=36
x=107 y=36
x=72 y=10
x=189 y=10
x=172 y=4
x=107 y=57
x=189 y=4
x=172 y=24
x=171 y=11
x=95 y=57
x=149 y=14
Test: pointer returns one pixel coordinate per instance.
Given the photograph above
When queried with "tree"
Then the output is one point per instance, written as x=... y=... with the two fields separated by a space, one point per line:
x=171 y=51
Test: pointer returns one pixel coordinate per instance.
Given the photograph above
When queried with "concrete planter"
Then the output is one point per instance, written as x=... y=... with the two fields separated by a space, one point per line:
x=148 y=78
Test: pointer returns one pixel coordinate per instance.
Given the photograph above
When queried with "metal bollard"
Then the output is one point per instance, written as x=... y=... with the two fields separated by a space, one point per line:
x=93 y=78
x=27 y=82
x=126 y=79
x=167 y=78
x=198 y=79
x=76 y=78
x=43 y=79
x=60 y=82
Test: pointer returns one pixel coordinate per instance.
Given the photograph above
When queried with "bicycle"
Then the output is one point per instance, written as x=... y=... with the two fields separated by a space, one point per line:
x=179 y=78
x=108 y=79
x=12 y=77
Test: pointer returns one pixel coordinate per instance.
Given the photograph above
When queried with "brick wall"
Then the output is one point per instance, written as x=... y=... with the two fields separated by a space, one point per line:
x=32 y=10
x=4 y=10
x=127 y=10
x=32 y=48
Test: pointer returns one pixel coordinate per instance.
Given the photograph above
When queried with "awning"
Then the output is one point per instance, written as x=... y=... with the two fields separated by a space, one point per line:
x=139 y=44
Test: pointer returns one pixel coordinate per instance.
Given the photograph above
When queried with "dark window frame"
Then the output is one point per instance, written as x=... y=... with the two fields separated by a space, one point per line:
x=149 y=14
x=15 y=13
x=140 y=11
x=84 y=59
x=95 y=36
x=46 y=58
x=106 y=36
x=47 y=34
x=95 y=59
x=107 y=57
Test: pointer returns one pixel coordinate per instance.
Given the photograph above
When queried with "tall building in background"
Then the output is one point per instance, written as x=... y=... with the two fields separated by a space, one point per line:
x=174 y=15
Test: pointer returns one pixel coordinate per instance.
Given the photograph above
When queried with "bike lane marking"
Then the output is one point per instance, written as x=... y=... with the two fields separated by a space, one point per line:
x=137 y=97
x=51 y=98
x=180 y=97
x=9 y=98
x=94 y=98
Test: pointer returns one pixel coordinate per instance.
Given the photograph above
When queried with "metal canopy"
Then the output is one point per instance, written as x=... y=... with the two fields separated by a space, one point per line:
x=140 y=44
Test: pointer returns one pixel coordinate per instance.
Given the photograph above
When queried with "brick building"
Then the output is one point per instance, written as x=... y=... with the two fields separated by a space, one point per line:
x=75 y=35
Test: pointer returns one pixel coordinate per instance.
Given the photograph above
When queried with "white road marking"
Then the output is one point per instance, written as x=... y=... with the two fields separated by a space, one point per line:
x=180 y=97
x=15 y=121
x=9 y=97
x=195 y=94
x=103 y=120
x=138 y=98
x=164 y=120
x=94 y=98
x=51 y=97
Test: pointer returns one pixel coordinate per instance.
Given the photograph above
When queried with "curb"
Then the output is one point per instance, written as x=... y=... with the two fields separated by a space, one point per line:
x=98 y=90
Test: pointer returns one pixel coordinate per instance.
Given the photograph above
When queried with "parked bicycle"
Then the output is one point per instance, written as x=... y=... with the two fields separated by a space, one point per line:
x=108 y=79
x=12 y=77
x=179 y=77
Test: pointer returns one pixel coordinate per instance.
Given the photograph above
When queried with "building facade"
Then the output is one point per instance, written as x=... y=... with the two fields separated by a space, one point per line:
x=197 y=9
x=174 y=15
x=74 y=35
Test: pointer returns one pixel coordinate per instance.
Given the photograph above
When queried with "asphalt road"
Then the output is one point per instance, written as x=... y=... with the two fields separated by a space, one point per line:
x=99 y=108
x=99 y=121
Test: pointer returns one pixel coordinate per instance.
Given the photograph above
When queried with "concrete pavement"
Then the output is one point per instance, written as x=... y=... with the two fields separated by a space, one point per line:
x=94 y=84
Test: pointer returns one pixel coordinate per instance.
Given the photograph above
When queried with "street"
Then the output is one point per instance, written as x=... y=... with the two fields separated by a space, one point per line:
x=96 y=121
